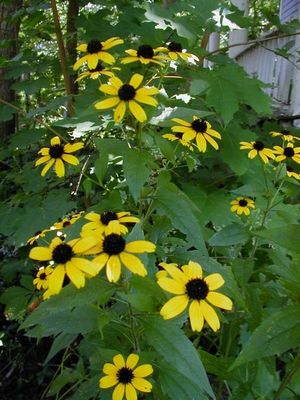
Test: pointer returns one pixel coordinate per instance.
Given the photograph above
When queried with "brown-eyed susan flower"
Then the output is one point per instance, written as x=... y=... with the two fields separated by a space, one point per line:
x=178 y=136
x=291 y=173
x=108 y=222
x=42 y=277
x=67 y=221
x=57 y=154
x=123 y=94
x=97 y=51
x=241 y=205
x=115 y=250
x=257 y=148
x=37 y=235
x=126 y=376
x=198 y=129
x=289 y=152
x=144 y=54
x=175 y=51
x=284 y=135
x=96 y=72
x=67 y=259
x=193 y=290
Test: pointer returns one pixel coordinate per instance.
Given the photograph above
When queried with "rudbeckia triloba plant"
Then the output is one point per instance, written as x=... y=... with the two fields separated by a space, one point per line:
x=241 y=205
x=127 y=94
x=195 y=291
x=109 y=222
x=145 y=54
x=127 y=377
x=176 y=51
x=258 y=148
x=57 y=154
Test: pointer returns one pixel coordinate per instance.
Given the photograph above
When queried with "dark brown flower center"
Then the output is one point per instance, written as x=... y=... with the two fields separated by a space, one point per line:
x=66 y=223
x=146 y=51
x=94 y=46
x=62 y=253
x=285 y=132
x=126 y=92
x=56 y=151
x=37 y=233
x=243 y=203
x=43 y=276
x=289 y=152
x=108 y=216
x=289 y=169
x=258 y=145
x=179 y=135
x=196 y=289
x=174 y=46
x=125 y=375
x=113 y=244
x=199 y=125
x=98 y=68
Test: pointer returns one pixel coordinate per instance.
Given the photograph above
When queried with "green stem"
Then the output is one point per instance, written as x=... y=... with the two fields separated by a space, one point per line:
x=287 y=378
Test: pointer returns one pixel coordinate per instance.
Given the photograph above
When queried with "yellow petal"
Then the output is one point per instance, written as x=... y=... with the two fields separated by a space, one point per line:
x=108 y=381
x=175 y=272
x=111 y=43
x=137 y=111
x=42 y=160
x=133 y=263
x=211 y=141
x=128 y=60
x=41 y=254
x=56 y=279
x=252 y=154
x=59 y=168
x=120 y=111
x=143 y=370
x=113 y=269
x=219 y=300
x=47 y=166
x=171 y=286
x=119 y=391
x=210 y=315
x=109 y=89
x=55 y=140
x=75 y=275
x=142 y=384
x=174 y=306
x=107 y=103
x=140 y=246
x=131 y=52
x=119 y=361
x=196 y=316
x=116 y=82
x=181 y=121
x=86 y=266
x=141 y=98
x=132 y=360
x=92 y=60
x=201 y=142
x=214 y=281
x=193 y=270
x=110 y=369
x=82 y=245
x=106 y=57
x=79 y=62
x=136 y=80
x=92 y=216
x=130 y=392
x=70 y=159
x=100 y=261
x=72 y=147
x=147 y=91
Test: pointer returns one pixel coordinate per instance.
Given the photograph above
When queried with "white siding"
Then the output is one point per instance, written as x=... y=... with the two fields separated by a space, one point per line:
x=288 y=10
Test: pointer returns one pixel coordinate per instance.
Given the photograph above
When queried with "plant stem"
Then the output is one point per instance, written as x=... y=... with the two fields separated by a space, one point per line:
x=287 y=378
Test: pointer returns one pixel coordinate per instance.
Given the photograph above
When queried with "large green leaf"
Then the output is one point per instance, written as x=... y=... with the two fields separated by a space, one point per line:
x=286 y=236
x=183 y=213
x=276 y=334
x=229 y=235
x=169 y=341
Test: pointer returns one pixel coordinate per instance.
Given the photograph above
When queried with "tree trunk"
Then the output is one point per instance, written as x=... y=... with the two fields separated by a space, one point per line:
x=71 y=40
x=9 y=30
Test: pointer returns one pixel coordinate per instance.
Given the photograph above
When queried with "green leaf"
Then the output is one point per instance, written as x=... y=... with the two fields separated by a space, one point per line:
x=176 y=349
x=286 y=236
x=276 y=334
x=136 y=170
x=62 y=341
x=101 y=167
x=230 y=235
x=181 y=211
x=6 y=113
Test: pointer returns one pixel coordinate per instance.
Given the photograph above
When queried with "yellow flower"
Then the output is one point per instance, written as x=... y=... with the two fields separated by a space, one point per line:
x=285 y=135
x=257 y=148
x=175 y=50
x=37 y=235
x=96 y=51
x=108 y=222
x=57 y=154
x=200 y=130
x=123 y=94
x=96 y=72
x=189 y=286
x=288 y=152
x=291 y=173
x=114 y=251
x=126 y=376
x=144 y=54
x=178 y=136
x=67 y=261
x=67 y=221
x=241 y=205
x=42 y=277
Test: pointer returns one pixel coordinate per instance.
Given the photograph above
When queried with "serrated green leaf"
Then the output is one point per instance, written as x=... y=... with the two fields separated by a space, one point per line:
x=286 y=236
x=230 y=235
